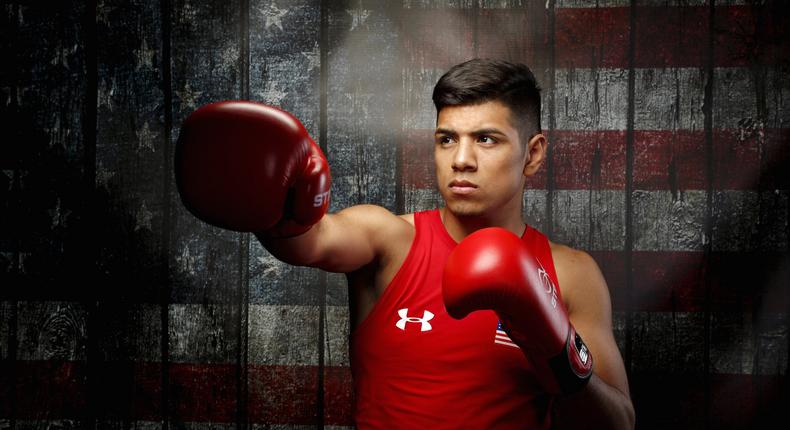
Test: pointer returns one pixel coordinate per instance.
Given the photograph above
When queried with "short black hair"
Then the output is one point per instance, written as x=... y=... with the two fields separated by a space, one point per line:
x=482 y=80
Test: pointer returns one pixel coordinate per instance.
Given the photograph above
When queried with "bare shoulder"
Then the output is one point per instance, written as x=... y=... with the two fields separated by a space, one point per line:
x=570 y=259
x=579 y=276
x=381 y=225
x=408 y=217
x=371 y=215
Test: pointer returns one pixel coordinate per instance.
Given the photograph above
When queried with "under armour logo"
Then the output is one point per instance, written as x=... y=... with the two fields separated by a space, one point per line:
x=404 y=318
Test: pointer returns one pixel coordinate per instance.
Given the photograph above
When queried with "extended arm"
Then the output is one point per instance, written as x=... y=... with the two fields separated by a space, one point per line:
x=250 y=167
x=341 y=242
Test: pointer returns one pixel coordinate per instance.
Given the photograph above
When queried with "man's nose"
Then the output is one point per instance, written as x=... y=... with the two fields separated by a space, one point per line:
x=464 y=158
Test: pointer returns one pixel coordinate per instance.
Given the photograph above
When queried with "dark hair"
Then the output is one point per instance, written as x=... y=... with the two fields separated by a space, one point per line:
x=481 y=80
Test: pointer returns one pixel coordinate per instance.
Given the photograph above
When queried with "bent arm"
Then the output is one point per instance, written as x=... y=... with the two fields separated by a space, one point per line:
x=605 y=402
x=341 y=242
x=597 y=406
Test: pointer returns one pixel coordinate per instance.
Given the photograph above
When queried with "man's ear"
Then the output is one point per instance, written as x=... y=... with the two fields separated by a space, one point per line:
x=537 y=148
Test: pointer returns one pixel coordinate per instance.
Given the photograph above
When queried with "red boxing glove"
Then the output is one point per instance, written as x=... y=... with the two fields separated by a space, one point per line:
x=247 y=166
x=493 y=269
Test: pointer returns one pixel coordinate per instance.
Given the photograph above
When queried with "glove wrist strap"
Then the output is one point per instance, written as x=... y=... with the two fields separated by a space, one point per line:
x=572 y=367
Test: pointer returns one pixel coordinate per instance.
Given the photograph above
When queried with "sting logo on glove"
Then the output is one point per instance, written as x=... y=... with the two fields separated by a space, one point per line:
x=320 y=199
x=550 y=288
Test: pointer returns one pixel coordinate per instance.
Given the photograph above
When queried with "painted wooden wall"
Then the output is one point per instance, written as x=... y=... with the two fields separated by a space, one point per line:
x=670 y=163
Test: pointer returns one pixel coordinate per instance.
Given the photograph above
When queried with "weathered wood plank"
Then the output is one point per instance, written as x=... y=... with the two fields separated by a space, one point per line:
x=364 y=85
x=205 y=57
x=44 y=85
x=52 y=346
x=589 y=99
x=131 y=169
x=749 y=325
x=131 y=149
x=285 y=72
x=206 y=266
x=130 y=372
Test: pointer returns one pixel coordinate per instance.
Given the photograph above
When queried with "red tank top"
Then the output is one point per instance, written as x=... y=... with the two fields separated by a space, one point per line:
x=415 y=367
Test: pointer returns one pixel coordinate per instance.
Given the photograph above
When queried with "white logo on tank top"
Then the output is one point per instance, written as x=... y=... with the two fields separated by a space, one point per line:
x=404 y=318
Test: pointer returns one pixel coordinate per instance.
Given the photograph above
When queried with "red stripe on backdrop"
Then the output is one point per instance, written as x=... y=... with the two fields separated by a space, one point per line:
x=663 y=160
x=667 y=281
x=669 y=36
x=742 y=159
x=198 y=392
x=663 y=281
x=131 y=390
x=287 y=395
x=599 y=37
x=59 y=389
x=48 y=389
x=338 y=396
x=588 y=159
x=290 y=400
x=749 y=35
x=591 y=37
x=749 y=280
x=665 y=400
x=205 y=392
x=669 y=160
x=283 y=394
x=752 y=159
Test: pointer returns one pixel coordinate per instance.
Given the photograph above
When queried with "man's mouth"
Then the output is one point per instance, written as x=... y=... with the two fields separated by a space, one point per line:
x=462 y=186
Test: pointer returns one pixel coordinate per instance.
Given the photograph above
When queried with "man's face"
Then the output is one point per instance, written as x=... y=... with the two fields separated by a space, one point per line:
x=479 y=159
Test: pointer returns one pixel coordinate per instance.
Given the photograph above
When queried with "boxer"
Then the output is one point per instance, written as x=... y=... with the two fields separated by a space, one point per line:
x=462 y=316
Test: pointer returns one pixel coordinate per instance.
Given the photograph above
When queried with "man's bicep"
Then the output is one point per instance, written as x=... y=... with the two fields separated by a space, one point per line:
x=349 y=239
x=340 y=242
x=590 y=312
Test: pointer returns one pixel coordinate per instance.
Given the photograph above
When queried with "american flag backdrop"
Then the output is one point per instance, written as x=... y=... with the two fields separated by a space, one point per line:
x=669 y=163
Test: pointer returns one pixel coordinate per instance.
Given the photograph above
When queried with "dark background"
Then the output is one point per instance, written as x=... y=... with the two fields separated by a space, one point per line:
x=669 y=163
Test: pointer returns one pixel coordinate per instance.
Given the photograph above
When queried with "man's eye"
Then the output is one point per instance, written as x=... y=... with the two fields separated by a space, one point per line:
x=487 y=139
x=444 y=140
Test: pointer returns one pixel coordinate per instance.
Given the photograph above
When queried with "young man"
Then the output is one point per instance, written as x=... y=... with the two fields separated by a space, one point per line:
x=443 y=335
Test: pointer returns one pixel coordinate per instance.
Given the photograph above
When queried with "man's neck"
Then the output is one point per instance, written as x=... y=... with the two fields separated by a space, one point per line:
x=458 y=227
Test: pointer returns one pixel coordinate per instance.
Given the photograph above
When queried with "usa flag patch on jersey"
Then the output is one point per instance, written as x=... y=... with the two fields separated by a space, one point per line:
x=501 y=336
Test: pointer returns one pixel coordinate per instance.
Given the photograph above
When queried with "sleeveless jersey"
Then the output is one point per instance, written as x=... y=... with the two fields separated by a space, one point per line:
x=415 y=367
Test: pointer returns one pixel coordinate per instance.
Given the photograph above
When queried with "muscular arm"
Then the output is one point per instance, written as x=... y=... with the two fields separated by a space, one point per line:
x=341 y=242
x=605 y=402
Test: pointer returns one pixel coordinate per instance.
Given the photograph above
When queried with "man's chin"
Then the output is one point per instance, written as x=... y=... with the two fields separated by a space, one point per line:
x=464 y=209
